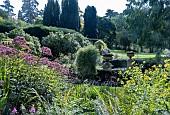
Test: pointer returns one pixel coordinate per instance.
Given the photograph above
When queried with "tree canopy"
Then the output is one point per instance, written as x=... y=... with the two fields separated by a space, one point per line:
x=29 y=11
x=90 y=22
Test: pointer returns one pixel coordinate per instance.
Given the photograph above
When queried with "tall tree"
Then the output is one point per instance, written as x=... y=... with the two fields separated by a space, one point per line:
x=110 y=13
x=29 y=11
x=149 y=21
x=8 y=8
x=51 y=13
x=70 y=15
x=90 y=22
x=106 y=31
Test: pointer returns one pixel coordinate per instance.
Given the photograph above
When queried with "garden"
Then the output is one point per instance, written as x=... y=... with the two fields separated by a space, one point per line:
x=55 y=62
x=37 y=80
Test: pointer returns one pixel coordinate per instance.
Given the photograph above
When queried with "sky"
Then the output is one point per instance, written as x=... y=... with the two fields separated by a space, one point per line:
x=101 y=5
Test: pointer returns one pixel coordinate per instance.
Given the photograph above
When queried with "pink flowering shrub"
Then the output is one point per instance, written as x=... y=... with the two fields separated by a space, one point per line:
x=46 y=51
x=5 y=50
x=28 y=74
x=19 y=41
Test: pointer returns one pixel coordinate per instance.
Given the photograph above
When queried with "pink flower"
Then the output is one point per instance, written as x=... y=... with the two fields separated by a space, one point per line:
x=46 y=51
x=30 y=58
x=4 y=50
x=55 y=65
x=32 y=110
x=14 y=111
x=43 y=60
x=65 y=71
x=19 y=41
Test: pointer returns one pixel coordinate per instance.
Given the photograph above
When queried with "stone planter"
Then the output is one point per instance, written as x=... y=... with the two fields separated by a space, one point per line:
x=130 y=54
x=107 y=58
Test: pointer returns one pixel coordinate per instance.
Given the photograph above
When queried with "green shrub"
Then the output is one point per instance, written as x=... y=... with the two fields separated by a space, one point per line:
x=86 y=61
x=100 y=45
x=33 y=42
x=21 y=23
x=43 y=31
x=6 y=26
x=64 y=43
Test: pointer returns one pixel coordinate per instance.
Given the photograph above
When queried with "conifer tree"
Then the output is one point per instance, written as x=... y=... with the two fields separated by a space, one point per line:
x=8 y=8
x=29 y=11
x=51 y=13
x=90 y=22
x=70 y=15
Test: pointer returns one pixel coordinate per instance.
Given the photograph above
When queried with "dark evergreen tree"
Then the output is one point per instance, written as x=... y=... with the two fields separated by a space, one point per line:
x=20 y=15
x=29 y=11
x=51 y=13
x=8 y=8
x=90 y=22
x=70 y=15
x=106 y=31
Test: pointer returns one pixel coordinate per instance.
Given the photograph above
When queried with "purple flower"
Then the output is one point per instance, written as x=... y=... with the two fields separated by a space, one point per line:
x=14 y=111
x=4 y=50
x=46 y=51
x=19 y=41
x=32 y=110
x=55 y=65
x=43 y=60
x=65 y=71
x=30 y=58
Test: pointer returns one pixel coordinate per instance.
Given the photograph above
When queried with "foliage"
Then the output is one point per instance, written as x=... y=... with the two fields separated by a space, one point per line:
x=44 y=30
x=106 y=31
x=3 y=14
x=29 y=11
x=32 y=42
x=70 y=15
x=38 y=20
x=27 y=79
x=148 y=21
x=100 y=45
x=6 y=25
x=22 y=23
x=148 y=91
x=90 y=22
x=110 y=13
x=64 y=43
x=8 y=8
x=51 y=13
x=124 y=40
x=86 y=61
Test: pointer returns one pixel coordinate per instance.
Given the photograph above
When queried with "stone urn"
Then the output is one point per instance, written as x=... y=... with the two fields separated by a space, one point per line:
x=107 y=58
x=130 y=54
x=129 y=61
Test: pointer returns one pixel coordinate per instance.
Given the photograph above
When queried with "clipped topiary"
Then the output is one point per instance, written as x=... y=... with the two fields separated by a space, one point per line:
x=86 y=61
x=100 y=45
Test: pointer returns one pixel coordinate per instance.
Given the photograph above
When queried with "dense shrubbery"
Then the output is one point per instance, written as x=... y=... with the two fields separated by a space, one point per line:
x=43 y=31
x=64 y=43
x=32 y=42
x=25 y=79
x=86 y=61
x=6 y=26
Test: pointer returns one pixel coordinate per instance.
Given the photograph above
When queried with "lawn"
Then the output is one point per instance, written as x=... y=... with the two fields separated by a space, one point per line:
x=122 y=55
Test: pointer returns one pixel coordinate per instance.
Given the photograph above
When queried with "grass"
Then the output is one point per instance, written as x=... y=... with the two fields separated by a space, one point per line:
x=122 y=55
